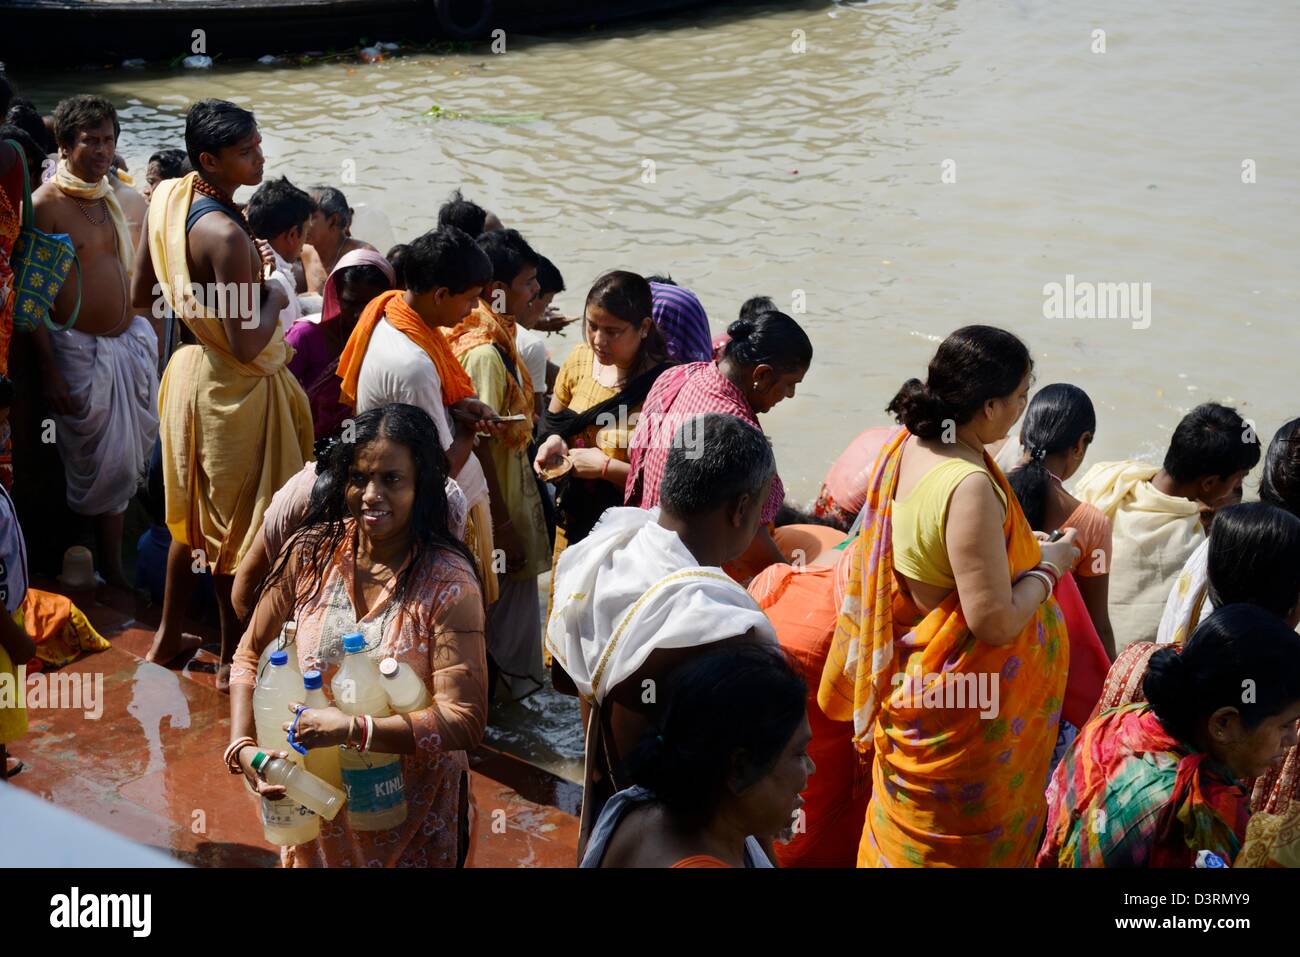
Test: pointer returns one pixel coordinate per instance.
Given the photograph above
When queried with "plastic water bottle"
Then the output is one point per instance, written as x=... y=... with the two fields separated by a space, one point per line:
x=373 y=781
x=284 y=822
x=406 y=692
x=322 y=762
x=279 y=687
x=286 y=642
x=302 y=787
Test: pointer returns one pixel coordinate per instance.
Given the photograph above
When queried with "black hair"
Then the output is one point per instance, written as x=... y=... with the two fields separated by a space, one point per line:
x=509 y=252
x=6 y=94
x=331 y=202
x=1056 y=418
x=664 y=280
x=213 y=125
x=970 y=367
x=467 y=216
x=769 y=338
x=23 y=114
x=1280 y=483
x=733 y=708
x=33 y=156
x=549 y=280
x=714 y=460
x=755 y=306
x=448 y=257
x=172 y=164
x=277 y=207
x=626 y=296
x=6 y=392
x=362 y=274
x=1254 y=557
x=81 y=112
x=1212 y=439
x=316 y=541
x=1237 y=647
x=396 y=258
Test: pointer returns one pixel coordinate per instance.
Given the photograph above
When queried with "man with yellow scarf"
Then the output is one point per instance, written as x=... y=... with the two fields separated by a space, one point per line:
x=235 y=423
x=101 y=379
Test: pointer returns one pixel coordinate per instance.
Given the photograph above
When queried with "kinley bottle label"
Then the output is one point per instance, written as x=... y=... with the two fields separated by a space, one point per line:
x=284 y=813
x=374 y=789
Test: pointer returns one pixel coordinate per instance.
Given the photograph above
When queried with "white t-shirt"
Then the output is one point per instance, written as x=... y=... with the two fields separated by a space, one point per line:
x=283 y=274
x=532 y=349
x=396 y=369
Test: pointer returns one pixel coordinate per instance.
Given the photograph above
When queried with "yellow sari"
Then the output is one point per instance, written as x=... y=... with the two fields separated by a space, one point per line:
x=950 y=788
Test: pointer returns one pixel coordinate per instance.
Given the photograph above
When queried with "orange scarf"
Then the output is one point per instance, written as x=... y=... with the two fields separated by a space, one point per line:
x=952 y=786
x=483 y=327
x=391 y=306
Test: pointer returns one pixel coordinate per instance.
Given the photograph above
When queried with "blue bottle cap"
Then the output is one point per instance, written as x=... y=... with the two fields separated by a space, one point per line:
x=311 y=679
x=280 y=657
x=354 y=642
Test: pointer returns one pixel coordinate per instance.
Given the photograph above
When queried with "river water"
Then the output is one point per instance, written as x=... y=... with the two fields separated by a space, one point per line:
x=895 y=170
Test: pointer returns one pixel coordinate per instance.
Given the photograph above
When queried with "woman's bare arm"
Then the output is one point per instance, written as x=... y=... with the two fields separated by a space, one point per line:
x=995 y=611
x=1095 y=591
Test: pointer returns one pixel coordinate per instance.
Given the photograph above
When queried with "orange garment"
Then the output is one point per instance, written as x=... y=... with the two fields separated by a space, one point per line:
x=1093 y=536
x=949 y=788
x=802 y=604
x=391 y=306
x=59 y=629
x=483 y=327
x=701 y=860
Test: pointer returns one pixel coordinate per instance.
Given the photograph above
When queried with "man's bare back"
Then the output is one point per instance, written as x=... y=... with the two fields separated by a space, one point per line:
x=105 y=303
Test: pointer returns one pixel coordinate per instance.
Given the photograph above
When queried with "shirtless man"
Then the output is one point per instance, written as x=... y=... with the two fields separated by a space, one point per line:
x=327 y=236
x=134 y=205
x=235 y=423
x=100 y=375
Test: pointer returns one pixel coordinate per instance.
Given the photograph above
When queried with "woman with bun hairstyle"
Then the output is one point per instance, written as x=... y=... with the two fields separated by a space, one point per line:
x=1155 y=784
x=1059 y=425
x=720 y=774
x=765 y=359
x=950 y=591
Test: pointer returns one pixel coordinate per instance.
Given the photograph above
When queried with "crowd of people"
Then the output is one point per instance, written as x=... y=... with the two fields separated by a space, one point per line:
x=949 y=659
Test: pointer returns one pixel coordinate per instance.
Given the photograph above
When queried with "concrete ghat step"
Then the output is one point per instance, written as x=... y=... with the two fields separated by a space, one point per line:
x=137 y=748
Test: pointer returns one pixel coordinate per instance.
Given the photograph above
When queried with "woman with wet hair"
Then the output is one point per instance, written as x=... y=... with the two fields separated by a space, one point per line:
x=377 y=555
x=950 y=586
x=1159 y=783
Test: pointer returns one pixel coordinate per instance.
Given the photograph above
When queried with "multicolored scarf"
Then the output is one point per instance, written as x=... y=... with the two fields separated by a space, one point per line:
x=953 y=784
x=483 y=327
x=1130 y=794
x=455 y=380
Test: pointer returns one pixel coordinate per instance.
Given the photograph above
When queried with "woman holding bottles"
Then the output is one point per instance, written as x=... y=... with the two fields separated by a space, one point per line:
x=377 y=557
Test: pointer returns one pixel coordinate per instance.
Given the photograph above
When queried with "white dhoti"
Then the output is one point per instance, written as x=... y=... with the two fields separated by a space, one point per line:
x=105 y=445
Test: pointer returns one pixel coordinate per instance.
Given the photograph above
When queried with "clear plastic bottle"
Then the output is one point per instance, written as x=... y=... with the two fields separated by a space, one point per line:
x=284 y=822
x=286 y=642
x=302 y=787
x=322 y=762
x=406 y=692
x=373 y=781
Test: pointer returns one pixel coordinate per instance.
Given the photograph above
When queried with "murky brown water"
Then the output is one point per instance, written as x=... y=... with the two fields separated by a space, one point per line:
x=823 y=171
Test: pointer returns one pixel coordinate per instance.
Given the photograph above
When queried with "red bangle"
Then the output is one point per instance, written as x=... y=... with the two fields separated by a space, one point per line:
x=604 y=469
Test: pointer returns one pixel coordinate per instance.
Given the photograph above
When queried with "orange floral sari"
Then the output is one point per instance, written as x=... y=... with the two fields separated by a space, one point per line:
x=955 y=783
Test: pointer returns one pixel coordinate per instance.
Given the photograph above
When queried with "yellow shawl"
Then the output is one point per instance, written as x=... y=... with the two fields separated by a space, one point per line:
x=89 y=192
x=232 y=432
x=485 y=327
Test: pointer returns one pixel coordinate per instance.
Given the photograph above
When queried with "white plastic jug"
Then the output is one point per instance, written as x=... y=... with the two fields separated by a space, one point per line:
x=373 y=781
x=406 y=692
x=284 y=822
x=322 y=762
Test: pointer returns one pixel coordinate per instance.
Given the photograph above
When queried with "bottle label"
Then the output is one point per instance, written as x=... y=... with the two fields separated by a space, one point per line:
x=375 y=789
x=285 y=813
